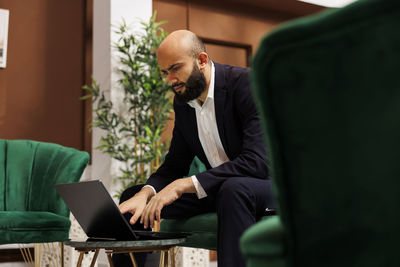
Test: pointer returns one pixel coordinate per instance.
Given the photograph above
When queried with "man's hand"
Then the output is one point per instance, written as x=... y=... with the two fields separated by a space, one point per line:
x=136 y=204
x=169 y=194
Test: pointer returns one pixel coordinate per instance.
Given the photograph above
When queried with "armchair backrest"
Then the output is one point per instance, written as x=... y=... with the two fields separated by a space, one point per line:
x=328 y=88
x=29 y=170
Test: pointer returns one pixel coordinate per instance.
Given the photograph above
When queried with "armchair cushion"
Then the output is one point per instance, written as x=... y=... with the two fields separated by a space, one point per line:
x=30 y=208
x=264 y=243
x=202 y=229
x=32 y=227
x=328 y=90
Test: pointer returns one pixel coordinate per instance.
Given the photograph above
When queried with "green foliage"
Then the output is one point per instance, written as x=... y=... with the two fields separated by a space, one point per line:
x=133 y=136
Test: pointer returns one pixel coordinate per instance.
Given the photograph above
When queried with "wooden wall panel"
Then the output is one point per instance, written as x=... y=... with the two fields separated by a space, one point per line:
x=228 y=55
x=41 y=86
x=227 y=26
x=174 y=12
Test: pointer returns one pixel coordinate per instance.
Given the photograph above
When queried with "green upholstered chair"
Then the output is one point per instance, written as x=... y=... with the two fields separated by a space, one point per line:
x=30 y=209
x=328 y=87
x=202 y=228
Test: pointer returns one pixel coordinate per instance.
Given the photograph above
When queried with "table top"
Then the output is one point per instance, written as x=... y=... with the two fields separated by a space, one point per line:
x=125 y=244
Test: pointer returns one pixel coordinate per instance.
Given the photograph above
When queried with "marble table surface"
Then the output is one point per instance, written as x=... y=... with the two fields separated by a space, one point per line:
x=124 y=244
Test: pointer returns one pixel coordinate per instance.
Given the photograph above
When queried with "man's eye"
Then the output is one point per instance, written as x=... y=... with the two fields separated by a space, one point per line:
x=164 y=73
x=175 y=69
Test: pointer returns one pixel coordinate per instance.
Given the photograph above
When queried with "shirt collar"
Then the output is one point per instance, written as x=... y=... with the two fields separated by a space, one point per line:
x=210 y=95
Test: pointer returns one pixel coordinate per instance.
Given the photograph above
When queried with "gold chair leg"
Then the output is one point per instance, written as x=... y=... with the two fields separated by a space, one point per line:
x=23 y=254
x=38 y=254
x=39 y=248
x=61 y=253
x=26 y=255
x=28 y=251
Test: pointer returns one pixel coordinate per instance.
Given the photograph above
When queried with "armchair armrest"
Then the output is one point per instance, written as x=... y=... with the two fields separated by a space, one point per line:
x=264 y=242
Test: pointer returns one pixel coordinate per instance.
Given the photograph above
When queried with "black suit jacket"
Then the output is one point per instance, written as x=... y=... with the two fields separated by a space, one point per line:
x=238 y=127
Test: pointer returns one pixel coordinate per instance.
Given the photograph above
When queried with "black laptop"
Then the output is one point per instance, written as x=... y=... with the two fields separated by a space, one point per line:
x=99 y=216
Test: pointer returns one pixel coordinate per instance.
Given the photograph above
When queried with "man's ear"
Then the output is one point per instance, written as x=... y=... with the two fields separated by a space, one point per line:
x=202 y=59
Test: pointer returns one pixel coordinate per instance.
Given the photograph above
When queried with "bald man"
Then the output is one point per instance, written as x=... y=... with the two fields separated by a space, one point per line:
x=217 y=121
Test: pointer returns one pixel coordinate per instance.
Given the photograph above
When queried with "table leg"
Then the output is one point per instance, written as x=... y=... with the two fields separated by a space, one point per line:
x=96 y=253
x=80 y=259
x=172 y=256
x=133 y=259
x=110 y=259
x=161 y=264
x=164 y=258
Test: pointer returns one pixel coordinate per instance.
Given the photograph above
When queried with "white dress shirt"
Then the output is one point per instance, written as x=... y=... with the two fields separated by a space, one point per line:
x=208 y=133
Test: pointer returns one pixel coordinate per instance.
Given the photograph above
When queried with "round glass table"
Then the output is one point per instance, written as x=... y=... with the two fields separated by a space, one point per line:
x=165 y=246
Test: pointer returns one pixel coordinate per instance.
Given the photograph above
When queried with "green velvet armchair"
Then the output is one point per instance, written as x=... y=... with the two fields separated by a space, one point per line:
x=30 y=209
x=202 y=228
x=328 y=89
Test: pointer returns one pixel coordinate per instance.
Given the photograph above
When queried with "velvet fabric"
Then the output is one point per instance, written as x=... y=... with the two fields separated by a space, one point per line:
x=329 y=93
x=32 y=227
x=202 y=228
x=265 y=243
x=30 y=209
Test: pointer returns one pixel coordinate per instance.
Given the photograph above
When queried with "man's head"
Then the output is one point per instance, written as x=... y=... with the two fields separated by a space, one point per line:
x=185 y=65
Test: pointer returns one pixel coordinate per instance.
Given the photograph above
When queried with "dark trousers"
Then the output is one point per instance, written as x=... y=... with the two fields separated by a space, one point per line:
x=239 y=203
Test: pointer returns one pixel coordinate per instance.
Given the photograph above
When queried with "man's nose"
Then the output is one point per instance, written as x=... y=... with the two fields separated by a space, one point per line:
x=172 y=78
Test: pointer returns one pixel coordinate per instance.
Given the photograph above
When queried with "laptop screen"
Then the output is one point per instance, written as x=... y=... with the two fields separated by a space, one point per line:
x=95 y=210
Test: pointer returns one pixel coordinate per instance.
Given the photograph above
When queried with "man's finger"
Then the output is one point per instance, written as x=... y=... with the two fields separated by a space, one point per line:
x=122 y=208
x=134 y=218
x=143 y=216
x=144 y=219
x=152 y=215
x=159 y=216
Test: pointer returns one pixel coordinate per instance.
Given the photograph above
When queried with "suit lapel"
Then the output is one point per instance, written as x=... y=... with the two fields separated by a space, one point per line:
x=193 y=136
x=219 y=102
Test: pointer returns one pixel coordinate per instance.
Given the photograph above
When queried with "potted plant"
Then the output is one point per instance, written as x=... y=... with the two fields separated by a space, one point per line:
x=133 y=132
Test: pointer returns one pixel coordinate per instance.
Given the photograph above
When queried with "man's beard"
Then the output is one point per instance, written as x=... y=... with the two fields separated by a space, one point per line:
x=195 y=85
